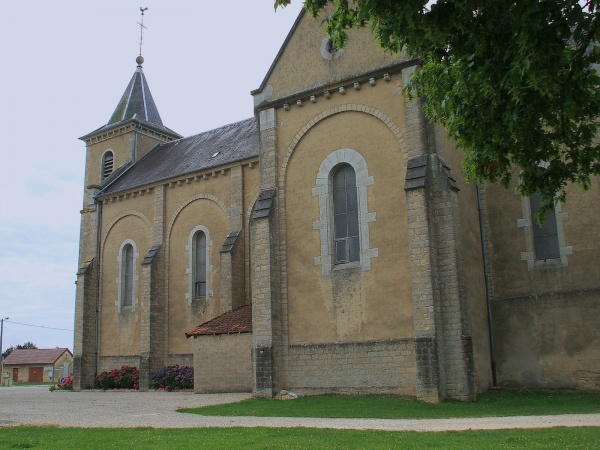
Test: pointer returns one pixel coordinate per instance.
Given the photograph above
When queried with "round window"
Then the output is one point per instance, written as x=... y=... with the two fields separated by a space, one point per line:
x=328 y=50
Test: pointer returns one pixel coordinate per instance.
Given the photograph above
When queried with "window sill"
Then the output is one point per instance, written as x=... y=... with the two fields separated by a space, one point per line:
x=346 y=266
x=199 y=301
x=542 y=264
x=126 y=310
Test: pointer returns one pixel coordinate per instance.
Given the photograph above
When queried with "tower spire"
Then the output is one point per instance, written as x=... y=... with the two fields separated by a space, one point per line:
x=140 y=58
x=137 y=100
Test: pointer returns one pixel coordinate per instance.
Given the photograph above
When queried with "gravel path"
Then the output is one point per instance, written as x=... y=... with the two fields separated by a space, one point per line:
x=123 y=409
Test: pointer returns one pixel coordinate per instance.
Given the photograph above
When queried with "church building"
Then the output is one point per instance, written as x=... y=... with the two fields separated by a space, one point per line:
x=328 y=243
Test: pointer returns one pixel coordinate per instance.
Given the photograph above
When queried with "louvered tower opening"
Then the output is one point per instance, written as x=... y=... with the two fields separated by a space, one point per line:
x=107 y=164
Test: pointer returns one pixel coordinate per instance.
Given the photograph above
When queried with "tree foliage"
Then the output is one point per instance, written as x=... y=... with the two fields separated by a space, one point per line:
x=25 y=346
x=512 y=82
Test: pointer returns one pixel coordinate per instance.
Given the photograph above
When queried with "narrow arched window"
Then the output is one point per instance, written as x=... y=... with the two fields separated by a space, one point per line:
x=199 y=265
x=345 y=215
x=545 y=237
x=127 y=276
x=107 y=164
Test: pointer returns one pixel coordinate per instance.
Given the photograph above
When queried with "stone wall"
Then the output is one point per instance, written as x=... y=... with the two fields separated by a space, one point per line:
x=549 y=341
x=373 y=367
x=223 y=363
x=84 y=349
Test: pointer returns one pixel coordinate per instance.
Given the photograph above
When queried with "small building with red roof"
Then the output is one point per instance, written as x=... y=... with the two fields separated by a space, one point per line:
x=38 y=365
x=223 y=352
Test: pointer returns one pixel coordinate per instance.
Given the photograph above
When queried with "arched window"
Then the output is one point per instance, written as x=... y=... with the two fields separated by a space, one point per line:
x=127 y=276
x=345 y=215
x=127 y=260
x=545 y=237
x=107 y=164
x=545 y=245
x=199 y=268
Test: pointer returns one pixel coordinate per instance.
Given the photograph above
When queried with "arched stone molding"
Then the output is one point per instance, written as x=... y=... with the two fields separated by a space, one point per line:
x=172 y=223
x=121 y=216
x=349 y=107
x=330 y=112
x=191 y=200
x=103 y=242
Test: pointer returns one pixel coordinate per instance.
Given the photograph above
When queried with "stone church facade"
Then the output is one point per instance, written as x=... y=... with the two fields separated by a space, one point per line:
x=328 y=244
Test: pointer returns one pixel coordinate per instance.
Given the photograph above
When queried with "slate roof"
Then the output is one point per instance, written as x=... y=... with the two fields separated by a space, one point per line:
x=137 y=99
x=34 y=356
x=138 y=105
x=238 y=321
x=224 y=145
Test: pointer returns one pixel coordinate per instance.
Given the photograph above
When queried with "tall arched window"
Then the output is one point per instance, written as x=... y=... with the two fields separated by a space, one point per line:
x=545 y=245
x=345 y=215
x=126 y=281
x=107 y=164
x=127 y=276
x=199 y=265
x=545 y=237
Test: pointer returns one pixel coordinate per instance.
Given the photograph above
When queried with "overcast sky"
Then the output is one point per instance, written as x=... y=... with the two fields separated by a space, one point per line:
x=63 y=68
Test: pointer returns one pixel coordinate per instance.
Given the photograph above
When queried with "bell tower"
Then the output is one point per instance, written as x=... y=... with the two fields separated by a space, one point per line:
x=134 y=128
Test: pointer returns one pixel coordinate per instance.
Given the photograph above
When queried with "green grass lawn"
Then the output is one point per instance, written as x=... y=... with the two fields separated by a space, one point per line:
x=296 y=438
x=493 y=403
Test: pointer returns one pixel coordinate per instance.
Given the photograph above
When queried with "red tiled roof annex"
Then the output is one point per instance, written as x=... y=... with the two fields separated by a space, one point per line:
x=238 y=321
x=35 y=356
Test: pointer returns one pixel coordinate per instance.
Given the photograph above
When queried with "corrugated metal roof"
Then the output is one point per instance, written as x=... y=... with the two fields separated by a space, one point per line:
x=238 y=321
x=34 y=356
x=211 y=149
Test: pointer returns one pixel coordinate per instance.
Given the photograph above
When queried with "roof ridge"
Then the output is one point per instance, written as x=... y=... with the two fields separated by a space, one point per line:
x=214 y=129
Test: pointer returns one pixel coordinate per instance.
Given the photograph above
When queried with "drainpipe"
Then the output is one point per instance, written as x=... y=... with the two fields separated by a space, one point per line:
x=483 y=235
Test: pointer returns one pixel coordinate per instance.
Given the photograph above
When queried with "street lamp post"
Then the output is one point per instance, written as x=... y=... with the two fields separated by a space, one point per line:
x=1 y=358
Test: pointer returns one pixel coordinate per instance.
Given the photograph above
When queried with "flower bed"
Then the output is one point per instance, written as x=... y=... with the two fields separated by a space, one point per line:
x=173 y=378
x=124 y=378
x=65 y=384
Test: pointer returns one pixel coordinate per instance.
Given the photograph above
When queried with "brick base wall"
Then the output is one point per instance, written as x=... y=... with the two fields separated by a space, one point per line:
x=366 y=367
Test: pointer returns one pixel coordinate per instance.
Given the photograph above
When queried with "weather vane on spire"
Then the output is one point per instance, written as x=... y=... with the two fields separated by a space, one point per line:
x=141 y=24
